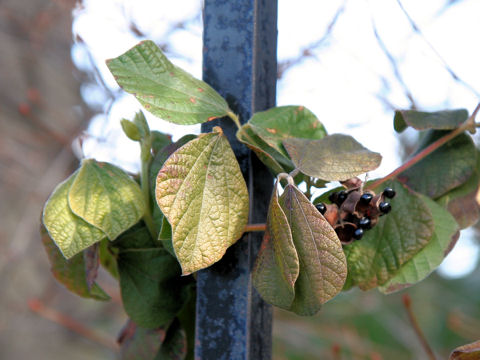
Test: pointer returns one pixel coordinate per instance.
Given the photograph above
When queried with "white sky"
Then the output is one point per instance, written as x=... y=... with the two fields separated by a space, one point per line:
x=340 y=84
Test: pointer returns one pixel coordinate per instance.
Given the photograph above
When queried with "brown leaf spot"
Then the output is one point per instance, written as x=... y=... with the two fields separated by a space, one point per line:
x=172 y=73
x=272 y=131
x=147 y=106
x=200 y=90
x=192 y=100
x=211 y=118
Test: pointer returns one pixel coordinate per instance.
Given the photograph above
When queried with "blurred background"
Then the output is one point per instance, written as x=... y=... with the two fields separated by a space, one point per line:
x=350 y=62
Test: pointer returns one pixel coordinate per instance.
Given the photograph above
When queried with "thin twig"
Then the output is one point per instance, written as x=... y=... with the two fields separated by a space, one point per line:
x=66 y=321
x=308 y=50
x=437 y=54
x=393 y=64
x=407 y=303
x=255 y=227
x=429 y=149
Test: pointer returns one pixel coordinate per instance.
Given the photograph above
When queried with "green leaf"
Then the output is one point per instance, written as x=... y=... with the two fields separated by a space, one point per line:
x=165 y=236
x=106 y=197
x=462 y=201
x=201 y=191
x=72 y=273
x=69 y=232
x=349 y=282
x=466 y=352
x=151 y=286
x=335 y=157
x=174 y=347
x=275 y=161
x=137 y=343
x=164 y=89
x=431 y=256
x=186 y=316
x=396 y=239
x=137 y=237
x=159 y=141
x=323 y=267
x=280 y=123
x=277 y=267
x=421 y=120
x=444 y=169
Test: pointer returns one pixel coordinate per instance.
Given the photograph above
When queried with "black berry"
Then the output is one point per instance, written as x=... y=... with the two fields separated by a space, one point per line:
x=321 y=208
x=341 y=197
x=389 y=193
x=357 y=234
x=365 y=223
x=366 y=198
x=385 y=207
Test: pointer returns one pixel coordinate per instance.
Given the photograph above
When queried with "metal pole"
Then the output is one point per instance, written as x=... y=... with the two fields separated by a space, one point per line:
x=239 y=61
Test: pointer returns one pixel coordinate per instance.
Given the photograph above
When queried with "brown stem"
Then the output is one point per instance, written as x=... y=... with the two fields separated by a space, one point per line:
x=428 y=150
x=66 y=321
x=407 y=302
x=255 y=227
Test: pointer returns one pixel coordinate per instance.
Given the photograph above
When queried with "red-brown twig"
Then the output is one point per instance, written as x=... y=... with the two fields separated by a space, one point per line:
x=429 y=149
x=255 y=227
x=66 y=321
x=407 y=302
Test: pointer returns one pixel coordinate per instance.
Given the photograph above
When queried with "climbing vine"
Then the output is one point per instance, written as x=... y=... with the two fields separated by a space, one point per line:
x=190 y=203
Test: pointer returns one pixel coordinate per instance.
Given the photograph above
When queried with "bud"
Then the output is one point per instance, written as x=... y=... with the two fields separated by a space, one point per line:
x=130 y=129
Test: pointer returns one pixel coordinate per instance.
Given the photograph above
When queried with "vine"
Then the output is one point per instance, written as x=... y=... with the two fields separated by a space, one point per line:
x=191 y=203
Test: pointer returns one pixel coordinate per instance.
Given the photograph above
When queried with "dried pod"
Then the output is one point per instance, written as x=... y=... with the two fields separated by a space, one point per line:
x=352 y=184
x=345 y=232
x=331 y=214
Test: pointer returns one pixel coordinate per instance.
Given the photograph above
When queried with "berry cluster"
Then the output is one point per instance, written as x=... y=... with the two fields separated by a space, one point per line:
x=354 y=211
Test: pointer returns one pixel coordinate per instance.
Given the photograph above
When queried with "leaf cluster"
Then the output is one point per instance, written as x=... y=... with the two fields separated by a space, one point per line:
x=191 y=203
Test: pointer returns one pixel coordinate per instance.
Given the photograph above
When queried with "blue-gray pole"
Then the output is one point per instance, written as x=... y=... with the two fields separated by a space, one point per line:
x=239 y=61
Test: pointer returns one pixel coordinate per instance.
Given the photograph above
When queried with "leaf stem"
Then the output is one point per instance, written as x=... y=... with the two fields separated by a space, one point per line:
x=309 y=182
x=146 y=157
x=235 y=119
x=469 y=124
x=407 y=303
x=255 y=227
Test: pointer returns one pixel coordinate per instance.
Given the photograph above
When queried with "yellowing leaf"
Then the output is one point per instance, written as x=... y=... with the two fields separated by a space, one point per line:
x=69 y=232
x=335 y=157
x=323 y=267
x=276 y=268
x=201 y=191
x=106 y=197
x=164 y=89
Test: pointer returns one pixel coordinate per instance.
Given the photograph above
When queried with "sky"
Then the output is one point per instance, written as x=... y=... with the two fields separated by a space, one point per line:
x=348 y=81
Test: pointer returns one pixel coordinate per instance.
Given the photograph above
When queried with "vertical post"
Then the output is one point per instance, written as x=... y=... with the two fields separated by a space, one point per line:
x=239 y=61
